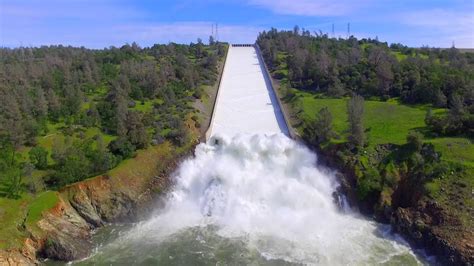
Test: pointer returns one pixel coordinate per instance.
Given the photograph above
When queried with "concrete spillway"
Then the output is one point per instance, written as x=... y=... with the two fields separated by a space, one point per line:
x=246 y=102
x=249 y=198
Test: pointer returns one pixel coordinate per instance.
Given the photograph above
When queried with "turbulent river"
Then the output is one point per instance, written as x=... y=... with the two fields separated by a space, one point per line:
x=252 y=200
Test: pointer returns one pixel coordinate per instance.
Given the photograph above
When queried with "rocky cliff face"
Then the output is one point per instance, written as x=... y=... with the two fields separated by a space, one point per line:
x=66 y=233
x=85 y=206
x=429 y=226
x=124 y=194
x=424 y=223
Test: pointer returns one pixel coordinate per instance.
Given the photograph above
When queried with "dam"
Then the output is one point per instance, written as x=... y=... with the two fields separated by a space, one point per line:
x=246 y=102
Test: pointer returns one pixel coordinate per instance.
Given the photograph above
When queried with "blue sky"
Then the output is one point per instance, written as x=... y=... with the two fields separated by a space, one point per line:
x=102 y=23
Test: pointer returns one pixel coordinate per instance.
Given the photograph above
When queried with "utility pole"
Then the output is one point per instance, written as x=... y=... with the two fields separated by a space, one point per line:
x=217 y=32
x=333 y=35
x=348 y=30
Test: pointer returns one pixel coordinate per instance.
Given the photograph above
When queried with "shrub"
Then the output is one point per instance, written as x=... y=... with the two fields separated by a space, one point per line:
x=122 y=147
x=369 y=184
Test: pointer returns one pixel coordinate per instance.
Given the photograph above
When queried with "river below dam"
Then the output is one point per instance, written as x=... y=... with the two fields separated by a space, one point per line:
x=251 y=200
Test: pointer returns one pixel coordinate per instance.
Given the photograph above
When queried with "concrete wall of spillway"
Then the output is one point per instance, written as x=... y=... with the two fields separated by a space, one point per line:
x=246 y=100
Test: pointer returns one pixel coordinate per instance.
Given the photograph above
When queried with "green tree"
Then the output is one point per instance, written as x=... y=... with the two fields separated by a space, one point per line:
x=369 y=184
x=179 y=134
x=336 y=87
x=355 y=113
x=211 y=40
x=41 y=105
x=101 y=158
x=429 y=116
x=415 y=140
x=320 y=130
x=11 y=120
x=456 y=106
x=10 y=171
x=93 y=116
x=221 y=49
x=136 y=131
x=122 y=147
x=39 y=157
x=199 y=48
x=72 y=164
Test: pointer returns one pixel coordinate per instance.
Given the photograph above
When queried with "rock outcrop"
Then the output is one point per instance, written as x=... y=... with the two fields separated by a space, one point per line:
x=427 y=226
x=14 y=258
x=67 y=234
x=423 y=223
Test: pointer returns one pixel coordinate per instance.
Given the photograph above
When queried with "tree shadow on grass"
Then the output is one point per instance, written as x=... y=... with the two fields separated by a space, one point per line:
x=429 y=134
x=426 y=131
x=7 y=190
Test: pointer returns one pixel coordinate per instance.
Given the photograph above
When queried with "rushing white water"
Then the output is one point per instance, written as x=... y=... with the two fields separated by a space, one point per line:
x=254 y=199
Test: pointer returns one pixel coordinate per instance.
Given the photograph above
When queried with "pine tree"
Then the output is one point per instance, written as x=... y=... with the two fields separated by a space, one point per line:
x=355 y=113
x=321 y=130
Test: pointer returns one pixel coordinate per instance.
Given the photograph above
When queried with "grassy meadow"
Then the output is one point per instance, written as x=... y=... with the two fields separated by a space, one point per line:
x=387 y=122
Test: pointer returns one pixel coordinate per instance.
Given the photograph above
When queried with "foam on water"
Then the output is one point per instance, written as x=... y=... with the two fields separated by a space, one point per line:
x=267 y=192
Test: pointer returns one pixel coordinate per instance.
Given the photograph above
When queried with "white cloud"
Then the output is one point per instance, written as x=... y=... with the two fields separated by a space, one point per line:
x=145 y=34
x=101 y=23
x=309 y=7
x=443 y=25
x=439 y=18
x=185 y=32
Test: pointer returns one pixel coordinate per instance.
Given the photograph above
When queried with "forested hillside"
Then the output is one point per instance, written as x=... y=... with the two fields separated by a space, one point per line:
x=397 y=121
x=338 y=67
x=70 y=113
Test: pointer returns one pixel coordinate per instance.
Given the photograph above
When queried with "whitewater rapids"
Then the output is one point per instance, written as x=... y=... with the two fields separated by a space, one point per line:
x=253 y=199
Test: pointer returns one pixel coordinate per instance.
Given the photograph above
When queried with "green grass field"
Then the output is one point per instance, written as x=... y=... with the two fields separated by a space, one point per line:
x=43 y=201
x=388 y=122
x=26 y=211
x=12 y=213
x=400 y=56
